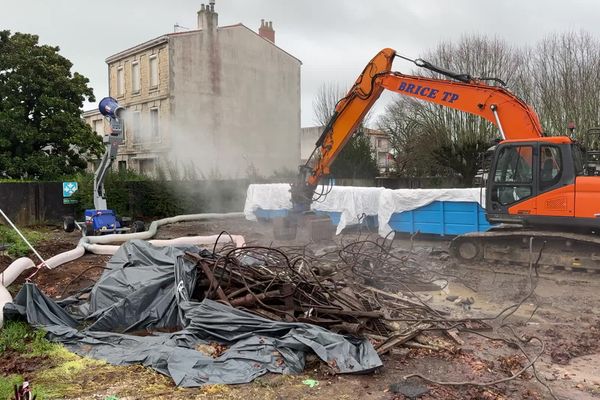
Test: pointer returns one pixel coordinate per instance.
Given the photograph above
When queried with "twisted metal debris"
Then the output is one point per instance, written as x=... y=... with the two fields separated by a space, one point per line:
x=363 y=288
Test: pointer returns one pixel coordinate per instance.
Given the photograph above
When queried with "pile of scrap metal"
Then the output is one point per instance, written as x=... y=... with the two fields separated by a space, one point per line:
x=233 y=314
x=361 y=289
x=364 y=289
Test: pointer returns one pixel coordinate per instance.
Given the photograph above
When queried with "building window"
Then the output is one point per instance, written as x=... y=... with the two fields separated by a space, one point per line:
x=99 y=127
x=135 y=127
x=120 y=81
x=122 y=166
x=382 y=143
x=154 y=123
x=153 y=60
x=147 y=166
x=135 y=77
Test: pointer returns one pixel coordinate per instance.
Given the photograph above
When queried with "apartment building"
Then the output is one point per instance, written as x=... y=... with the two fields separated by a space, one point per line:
x=218 y=101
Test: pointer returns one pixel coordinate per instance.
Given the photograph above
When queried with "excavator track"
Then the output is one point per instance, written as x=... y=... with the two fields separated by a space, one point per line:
x=559 y=250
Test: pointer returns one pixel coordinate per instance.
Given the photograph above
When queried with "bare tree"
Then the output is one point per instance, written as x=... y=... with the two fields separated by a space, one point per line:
x=564 y=69
x=357 y=159
x=483 y=58
x=325 y=101
x=409 y=140
x=453 y=138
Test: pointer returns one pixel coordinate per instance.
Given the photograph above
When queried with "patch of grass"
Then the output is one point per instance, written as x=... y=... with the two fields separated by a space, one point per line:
x=14 y=289
x=13 y=336
x=63 y=380
x=7 y=384
x=215 y=389
x=40 y=345
x=84 y=378
x=16 y=246
x=20 y=337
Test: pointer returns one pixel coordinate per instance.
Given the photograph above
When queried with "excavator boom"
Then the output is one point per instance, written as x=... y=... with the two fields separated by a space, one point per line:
x=513 y=117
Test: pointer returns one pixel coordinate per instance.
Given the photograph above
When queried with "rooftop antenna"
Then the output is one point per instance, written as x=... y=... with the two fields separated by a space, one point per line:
x=176 y=27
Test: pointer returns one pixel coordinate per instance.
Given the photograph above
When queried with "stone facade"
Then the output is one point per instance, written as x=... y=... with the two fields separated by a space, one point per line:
x=146 y=97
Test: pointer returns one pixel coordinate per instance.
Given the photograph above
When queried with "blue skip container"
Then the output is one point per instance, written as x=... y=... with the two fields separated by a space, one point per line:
x=437 y=218
x=442 y=218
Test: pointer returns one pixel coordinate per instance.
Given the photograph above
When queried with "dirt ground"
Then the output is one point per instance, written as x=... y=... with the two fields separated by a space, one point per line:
x=566 y=318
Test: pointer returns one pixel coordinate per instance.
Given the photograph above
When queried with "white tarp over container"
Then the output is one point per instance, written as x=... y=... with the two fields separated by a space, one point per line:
x=354 y=202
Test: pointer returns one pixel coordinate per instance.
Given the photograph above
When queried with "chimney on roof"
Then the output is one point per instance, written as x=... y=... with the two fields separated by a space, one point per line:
x=266 y=30
x=208 y=19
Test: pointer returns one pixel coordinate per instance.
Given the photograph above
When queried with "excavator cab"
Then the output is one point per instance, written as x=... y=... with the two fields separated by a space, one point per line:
x=535 y=182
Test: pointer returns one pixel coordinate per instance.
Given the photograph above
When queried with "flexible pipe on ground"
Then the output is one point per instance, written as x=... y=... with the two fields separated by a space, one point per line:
x=109 y=250
x=97 y=245
x=191 y=240
x=16 y=268
x=65 y=257
x=5 y=297
x=120 y=238
x=7 y=277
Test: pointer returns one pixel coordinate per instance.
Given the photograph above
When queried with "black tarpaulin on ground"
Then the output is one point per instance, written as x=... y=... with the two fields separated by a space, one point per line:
x=147 y=288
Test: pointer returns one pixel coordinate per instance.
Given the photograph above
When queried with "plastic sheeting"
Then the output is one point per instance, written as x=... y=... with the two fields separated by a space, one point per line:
x=354 y=202
x=146 y=288
x=269 y=196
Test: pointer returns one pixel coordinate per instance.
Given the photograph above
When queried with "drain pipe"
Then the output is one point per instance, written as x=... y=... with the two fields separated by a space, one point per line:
x=109 y=250
x=98 y=245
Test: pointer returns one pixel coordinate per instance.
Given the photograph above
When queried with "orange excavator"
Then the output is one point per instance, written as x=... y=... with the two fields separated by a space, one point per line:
x=537 y=185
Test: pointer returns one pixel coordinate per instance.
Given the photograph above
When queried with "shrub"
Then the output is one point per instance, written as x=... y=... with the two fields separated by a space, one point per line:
x=16 y=246
x=129 y=194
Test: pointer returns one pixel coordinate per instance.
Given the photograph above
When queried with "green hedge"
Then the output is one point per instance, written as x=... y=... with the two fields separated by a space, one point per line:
x=129 y=194
x=140 y=197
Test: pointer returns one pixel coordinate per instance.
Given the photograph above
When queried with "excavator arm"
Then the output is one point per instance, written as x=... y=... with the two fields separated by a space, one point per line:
x=513 y=117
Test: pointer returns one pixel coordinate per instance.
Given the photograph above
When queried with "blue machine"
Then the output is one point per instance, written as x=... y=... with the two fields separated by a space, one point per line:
x=100 y=220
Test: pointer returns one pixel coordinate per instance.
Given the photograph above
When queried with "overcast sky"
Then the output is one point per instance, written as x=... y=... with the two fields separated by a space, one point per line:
x=334 y=39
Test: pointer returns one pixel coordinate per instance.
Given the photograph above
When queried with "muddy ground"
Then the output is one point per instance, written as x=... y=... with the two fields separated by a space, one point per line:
x=566 y=318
